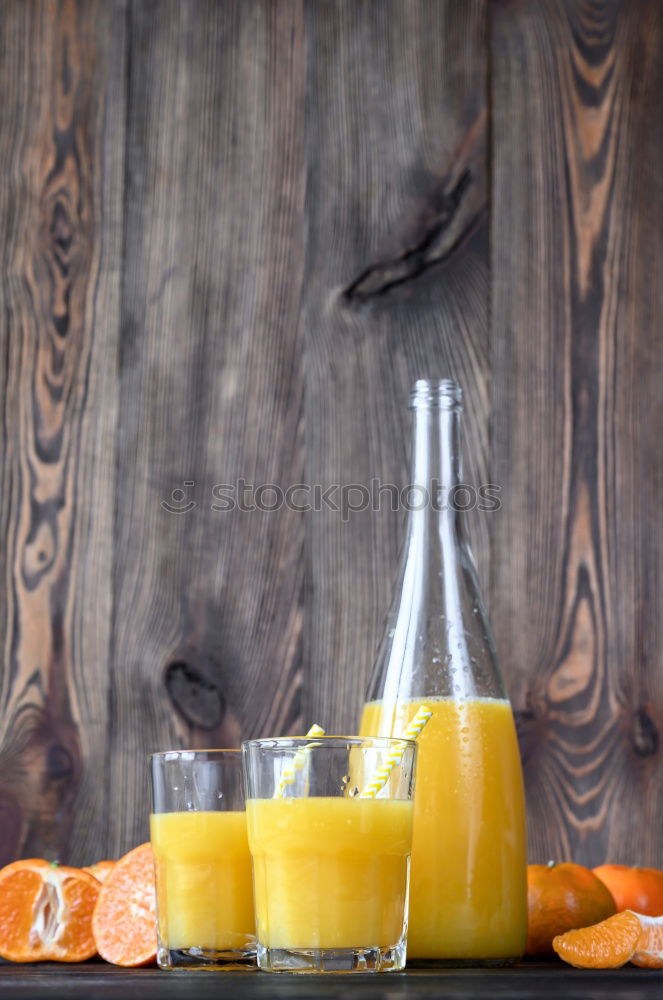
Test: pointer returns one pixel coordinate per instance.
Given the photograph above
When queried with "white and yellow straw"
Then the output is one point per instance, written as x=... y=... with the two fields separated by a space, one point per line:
x=298 y=762
x=395 y=756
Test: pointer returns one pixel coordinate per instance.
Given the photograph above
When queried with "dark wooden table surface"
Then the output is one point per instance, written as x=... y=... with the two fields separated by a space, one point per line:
x=525 y=982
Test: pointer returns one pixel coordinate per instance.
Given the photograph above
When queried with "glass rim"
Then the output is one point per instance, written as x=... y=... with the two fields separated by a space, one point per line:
x=168 y=755
x=331 y=741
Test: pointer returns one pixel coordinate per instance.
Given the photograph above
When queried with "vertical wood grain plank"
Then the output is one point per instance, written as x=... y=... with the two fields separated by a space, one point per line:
x=577 y=311
x=207 y=602
x=395 y=289
x=61 y=159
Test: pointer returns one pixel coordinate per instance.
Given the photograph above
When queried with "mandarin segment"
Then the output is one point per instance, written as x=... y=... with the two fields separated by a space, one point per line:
x=46 y=912
x=649 y=949
x=124 y=920
x=606 y=945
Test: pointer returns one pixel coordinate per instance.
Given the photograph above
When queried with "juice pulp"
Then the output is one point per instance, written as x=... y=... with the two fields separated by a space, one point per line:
x=330 y=872
x=204 y=883
x=468 y=894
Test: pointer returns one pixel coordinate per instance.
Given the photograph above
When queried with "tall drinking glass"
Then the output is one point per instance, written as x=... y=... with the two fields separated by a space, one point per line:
x=202 y=861
x=330 y=833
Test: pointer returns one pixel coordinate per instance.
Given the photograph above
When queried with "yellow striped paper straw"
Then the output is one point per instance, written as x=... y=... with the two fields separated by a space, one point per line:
x=289 y=773
x=394 y=756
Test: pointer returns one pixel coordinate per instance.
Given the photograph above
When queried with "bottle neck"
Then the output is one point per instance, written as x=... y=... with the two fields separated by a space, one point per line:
x=436 y=466
x=437 y=642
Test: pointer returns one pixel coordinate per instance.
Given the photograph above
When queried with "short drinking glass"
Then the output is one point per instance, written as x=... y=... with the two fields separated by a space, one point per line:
x=330 y=834
x=202 y=861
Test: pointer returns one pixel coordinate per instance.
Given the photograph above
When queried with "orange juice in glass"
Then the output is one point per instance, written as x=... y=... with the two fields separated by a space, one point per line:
x=330 y=862
x=202 y=862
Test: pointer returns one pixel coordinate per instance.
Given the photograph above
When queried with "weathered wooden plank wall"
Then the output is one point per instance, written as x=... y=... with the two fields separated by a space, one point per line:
x=207 y=621
x=235 y=232
x=61 y=147
x=577 y=312
x=397 y=179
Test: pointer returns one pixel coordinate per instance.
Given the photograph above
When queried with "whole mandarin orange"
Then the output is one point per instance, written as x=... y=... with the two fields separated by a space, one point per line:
x=562 y=897
x=638 y=889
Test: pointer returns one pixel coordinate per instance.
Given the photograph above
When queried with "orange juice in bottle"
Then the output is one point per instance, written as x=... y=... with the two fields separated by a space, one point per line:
x=468 y=895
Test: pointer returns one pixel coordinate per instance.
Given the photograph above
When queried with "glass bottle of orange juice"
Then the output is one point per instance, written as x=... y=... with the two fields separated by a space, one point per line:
x=468 y=896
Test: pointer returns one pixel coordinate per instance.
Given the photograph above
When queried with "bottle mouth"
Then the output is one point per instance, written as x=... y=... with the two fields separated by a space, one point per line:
x=441 y=394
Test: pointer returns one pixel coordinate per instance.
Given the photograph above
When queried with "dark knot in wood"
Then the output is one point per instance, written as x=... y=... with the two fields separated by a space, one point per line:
x=432 y=248
x=59 y=763
x=452 y=212
x=194 y=696
x=62 y=231
x=644 y=734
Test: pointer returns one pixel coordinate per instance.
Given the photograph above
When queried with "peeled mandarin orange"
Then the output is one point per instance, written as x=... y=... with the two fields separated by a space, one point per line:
x=561 y=897
x=46 y=912
x=626 y=937
x=124 y=919
x=637 y=889
x=100 y=869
